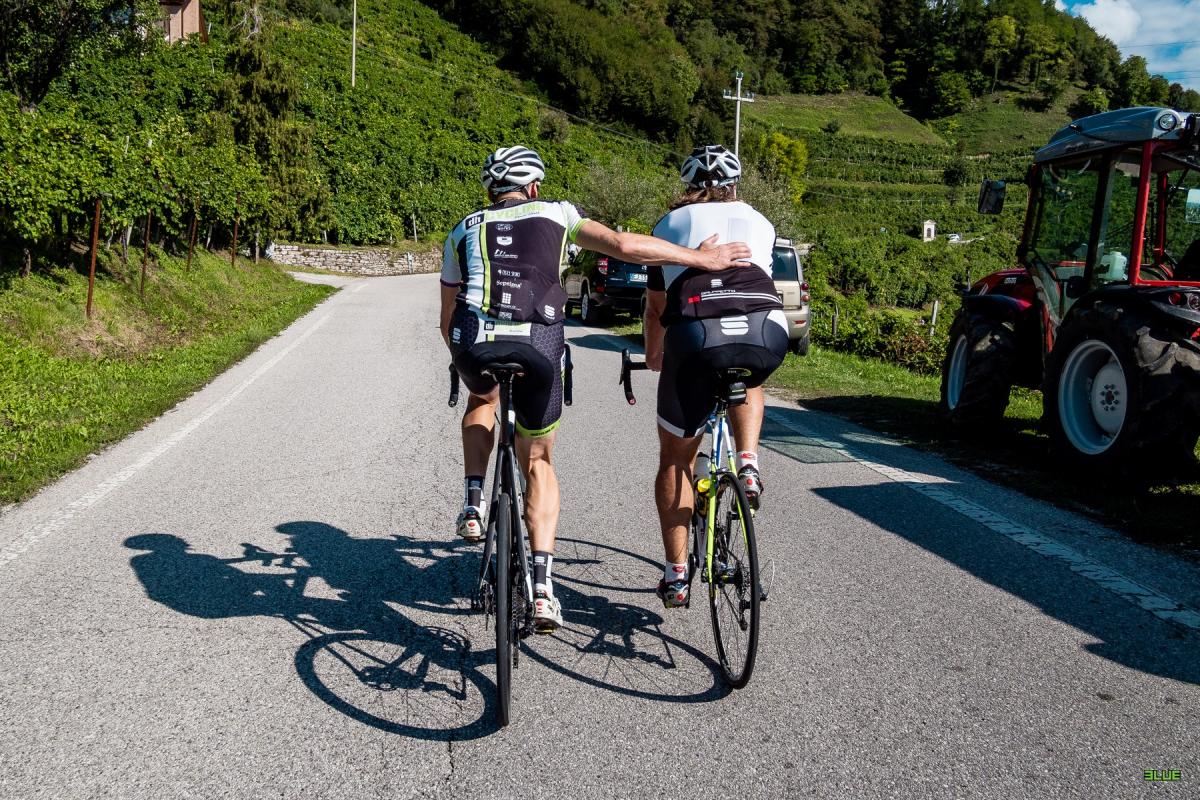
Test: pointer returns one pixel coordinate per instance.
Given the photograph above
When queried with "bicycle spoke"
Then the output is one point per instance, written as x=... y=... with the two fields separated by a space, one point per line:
x=733 y=593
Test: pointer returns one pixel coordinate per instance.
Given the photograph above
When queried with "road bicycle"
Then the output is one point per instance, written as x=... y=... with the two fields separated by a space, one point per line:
x=721 y=544
x=505 y=588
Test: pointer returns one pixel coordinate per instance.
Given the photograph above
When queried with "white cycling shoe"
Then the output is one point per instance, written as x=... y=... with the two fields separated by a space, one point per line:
x=470 y=523
x=547 y=613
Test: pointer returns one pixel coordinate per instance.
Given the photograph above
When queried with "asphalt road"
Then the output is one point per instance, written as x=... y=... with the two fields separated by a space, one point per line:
x=260 y=595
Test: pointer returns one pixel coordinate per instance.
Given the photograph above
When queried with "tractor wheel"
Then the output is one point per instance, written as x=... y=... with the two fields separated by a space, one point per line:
x=977 y=373
x=1120 y=395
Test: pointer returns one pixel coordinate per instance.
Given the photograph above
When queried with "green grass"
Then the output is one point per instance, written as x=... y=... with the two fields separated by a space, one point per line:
x=995 y=123
x=904 y=405
x=858 y=115
x=69 y=386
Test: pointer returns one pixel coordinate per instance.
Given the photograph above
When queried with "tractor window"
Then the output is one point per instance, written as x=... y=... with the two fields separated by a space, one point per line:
x=1180 y=254
x=1064 y=223
x=1116 y=230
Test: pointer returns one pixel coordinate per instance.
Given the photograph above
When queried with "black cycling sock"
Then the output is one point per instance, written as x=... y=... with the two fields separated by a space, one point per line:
x=474 y=490
x=542 y=561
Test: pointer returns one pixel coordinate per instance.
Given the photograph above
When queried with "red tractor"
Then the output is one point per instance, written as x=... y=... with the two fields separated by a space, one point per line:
x=1103 y=313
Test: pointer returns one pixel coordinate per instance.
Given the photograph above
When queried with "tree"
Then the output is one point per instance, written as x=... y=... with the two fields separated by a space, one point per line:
x=1000 y=35
x=41 y=39
x=951 y=94
x=1093 y=101
x=1133 y=83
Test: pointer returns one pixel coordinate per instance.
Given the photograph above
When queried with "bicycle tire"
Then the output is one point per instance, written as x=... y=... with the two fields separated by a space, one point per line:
x=503 y=577
x=734 y=603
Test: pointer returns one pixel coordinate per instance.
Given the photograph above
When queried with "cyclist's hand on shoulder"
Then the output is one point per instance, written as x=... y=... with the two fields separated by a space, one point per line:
x=725 y=256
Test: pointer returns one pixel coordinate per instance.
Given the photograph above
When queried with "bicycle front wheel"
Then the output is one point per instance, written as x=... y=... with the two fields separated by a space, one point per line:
x=504 y=602
x=733 y=588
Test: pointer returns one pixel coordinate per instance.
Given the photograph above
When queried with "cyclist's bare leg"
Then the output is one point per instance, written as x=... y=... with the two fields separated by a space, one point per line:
x=478 y=431
x=673 y=492
x=541 y=491
x=746 y=420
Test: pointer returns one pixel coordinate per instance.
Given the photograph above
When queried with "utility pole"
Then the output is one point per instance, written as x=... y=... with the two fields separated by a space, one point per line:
x=738 y=98
x=353 y=43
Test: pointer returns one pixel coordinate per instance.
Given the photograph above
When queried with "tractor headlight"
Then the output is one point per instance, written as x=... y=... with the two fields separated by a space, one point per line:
x=1168 y=121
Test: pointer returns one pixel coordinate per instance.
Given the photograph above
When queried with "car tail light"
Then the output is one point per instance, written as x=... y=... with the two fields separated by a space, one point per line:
x=602 y=265
x=804 y=297
x=804 y=286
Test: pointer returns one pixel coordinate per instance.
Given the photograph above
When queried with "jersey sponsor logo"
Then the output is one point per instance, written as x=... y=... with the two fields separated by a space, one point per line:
x=735 y=326
x=473 y=220
x=549 y=312
x=504 y=227
x=456 y=335
x=716 y=283
x=503 y=254
x=508 y=273
x=504 y=241
x=505 y=298
x=504 y=314
x=489 y=326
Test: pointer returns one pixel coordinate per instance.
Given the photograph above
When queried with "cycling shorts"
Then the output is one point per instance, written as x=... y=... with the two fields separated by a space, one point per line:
x=477 y=341
x=695 y=350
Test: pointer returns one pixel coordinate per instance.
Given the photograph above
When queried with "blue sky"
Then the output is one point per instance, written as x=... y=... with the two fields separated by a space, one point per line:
x=1165 y=32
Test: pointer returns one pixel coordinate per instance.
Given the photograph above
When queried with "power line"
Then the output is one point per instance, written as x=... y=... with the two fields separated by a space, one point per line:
x=1160 y=44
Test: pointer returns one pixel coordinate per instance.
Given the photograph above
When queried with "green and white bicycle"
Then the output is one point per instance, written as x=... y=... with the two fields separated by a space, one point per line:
x=721 y=545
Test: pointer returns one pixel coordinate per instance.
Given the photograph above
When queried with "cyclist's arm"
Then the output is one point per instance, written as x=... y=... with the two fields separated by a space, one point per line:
x=449 y=295
x=638 y=249
x=656 y=302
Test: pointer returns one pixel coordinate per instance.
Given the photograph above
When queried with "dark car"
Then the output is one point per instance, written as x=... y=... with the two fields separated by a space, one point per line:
x=600 y=285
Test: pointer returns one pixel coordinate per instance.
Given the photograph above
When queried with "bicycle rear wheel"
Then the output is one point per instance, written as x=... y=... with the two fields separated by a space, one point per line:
x=733 y=589
x=504 y=602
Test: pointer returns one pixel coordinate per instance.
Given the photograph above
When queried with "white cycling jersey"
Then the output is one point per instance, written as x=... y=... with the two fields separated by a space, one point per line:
x=696 y=294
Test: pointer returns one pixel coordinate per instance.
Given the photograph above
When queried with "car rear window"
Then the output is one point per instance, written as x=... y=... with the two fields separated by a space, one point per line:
x=784 y=264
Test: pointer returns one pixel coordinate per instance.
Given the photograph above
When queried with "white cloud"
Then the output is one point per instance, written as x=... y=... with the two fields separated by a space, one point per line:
x=1060 y=5
x=1116 y=19
x=1151 y=29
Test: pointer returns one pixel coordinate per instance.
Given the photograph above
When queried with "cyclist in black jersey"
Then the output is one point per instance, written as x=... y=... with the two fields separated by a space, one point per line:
x=697 y=323
x=502 y=300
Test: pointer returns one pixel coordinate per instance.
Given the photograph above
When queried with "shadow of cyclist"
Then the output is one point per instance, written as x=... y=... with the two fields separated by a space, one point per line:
x=359 y=648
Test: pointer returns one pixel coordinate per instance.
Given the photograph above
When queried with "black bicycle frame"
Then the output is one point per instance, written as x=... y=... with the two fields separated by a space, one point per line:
x=506 y=479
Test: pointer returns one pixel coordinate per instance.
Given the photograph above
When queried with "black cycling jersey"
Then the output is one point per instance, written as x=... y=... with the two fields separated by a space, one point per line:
x=508 y=258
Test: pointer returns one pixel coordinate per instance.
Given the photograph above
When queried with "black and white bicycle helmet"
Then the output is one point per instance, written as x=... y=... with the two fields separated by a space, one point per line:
x=710 y=166
x=511 y=168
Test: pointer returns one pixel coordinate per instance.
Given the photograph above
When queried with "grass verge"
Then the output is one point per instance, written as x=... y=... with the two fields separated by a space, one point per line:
x=904 y=405
x=69 y=386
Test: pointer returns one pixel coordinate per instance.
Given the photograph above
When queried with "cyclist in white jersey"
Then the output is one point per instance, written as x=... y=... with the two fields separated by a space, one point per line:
x=700 y=322
x=502 y=300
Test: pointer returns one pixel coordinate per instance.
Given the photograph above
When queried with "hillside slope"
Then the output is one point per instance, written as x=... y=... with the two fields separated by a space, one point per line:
x=853 y=113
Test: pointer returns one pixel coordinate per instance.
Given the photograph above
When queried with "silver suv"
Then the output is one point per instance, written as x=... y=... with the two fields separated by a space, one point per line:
x=787 y=268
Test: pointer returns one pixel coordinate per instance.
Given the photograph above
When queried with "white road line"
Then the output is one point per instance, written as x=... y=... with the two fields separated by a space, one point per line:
x=60 y=521
x=932 y=487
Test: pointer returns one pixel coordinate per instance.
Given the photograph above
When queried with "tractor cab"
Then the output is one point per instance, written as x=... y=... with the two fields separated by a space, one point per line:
x=1104 y=314
x=1114 y=202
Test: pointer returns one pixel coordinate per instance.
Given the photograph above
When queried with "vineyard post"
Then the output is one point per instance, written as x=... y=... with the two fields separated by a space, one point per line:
x=145 y=254
x=233 y=251
x=937 y=304
x=92 y=267
x=192 y=240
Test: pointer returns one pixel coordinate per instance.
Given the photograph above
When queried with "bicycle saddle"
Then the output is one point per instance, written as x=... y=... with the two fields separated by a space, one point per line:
x=504 y=369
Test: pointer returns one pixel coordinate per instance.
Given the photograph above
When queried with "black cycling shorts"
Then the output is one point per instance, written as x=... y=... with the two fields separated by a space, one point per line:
x=538 y=394
x=693 y=351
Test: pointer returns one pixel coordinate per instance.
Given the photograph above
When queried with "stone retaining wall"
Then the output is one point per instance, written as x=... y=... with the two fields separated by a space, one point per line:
x=362 y=261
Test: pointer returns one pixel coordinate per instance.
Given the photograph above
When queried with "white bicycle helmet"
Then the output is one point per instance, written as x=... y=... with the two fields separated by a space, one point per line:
x=710 y=166
x=511 y=168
